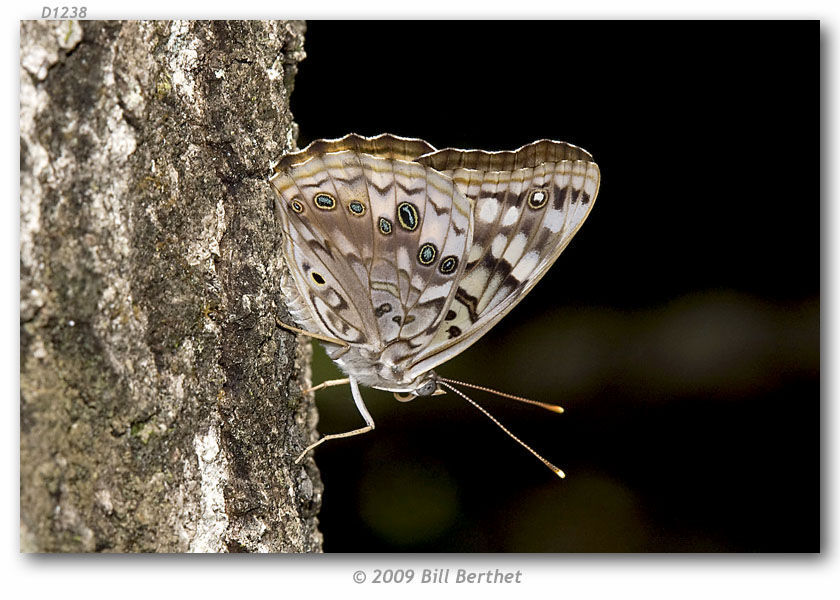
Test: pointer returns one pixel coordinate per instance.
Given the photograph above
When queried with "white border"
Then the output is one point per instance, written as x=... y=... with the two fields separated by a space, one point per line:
x=571 y=576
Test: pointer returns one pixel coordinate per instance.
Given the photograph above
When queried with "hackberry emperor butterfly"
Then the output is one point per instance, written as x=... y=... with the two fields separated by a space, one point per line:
x=401 y=256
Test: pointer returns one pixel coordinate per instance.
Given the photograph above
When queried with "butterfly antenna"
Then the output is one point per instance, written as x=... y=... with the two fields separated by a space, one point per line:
x=558 y=472
x=545 y=405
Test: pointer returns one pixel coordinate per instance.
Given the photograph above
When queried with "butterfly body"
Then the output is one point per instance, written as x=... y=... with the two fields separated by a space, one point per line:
x=401 y=256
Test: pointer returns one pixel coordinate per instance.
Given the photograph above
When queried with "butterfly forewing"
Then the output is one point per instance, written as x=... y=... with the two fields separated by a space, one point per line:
x=524 y=218
x=530 y=155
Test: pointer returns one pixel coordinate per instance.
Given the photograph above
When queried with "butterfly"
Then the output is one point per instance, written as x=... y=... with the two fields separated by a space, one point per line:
x=401 y=256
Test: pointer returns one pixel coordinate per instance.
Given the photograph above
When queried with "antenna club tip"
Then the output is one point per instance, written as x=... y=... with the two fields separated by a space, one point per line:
x=558 y=409
x=560 y=473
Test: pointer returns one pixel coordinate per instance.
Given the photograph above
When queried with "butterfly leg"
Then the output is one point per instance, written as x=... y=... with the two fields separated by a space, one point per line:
x=326 y=384
x=360 y=405
x=317 y=336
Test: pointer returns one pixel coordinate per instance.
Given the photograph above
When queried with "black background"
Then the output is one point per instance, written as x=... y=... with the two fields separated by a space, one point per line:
x=680 y=329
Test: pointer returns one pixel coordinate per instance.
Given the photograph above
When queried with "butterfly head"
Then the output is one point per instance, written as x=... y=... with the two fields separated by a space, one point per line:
x=425 y=385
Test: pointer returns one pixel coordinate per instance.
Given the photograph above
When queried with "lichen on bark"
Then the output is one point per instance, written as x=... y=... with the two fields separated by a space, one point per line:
x=160 y=407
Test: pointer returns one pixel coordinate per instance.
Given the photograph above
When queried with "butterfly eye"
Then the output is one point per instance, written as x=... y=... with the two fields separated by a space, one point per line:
x=427 y=389
x=537 y=199
x=427 y=254
x=324 y=201
x=357 y=208
x=448 y=265
x=297 y=206
x=408 y=216
x=318 y=278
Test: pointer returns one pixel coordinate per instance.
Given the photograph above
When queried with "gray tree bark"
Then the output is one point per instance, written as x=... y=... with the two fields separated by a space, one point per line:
x=160 y=407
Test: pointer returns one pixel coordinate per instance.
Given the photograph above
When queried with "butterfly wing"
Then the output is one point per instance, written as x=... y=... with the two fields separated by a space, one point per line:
x=375 y=242
x=528 y=205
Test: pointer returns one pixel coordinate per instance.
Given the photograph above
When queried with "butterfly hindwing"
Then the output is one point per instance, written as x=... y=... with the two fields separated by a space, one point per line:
x=376 y=243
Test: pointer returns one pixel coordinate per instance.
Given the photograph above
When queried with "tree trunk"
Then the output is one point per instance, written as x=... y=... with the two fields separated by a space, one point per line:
x=160 y=405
